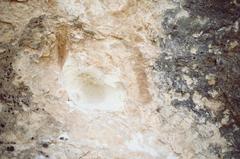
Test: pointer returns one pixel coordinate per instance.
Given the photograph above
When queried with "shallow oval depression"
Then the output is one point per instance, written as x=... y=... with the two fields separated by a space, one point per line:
x=89 y=88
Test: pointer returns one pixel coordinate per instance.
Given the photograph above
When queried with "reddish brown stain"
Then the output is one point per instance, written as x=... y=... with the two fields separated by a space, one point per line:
x=139 y=68
x=62 y=40
x=52 y=3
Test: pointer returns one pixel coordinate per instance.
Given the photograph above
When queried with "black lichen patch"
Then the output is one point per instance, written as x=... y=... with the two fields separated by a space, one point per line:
x=12 y=97
x=221 y=12
x=215 y=149
x=203 y=115
x=207 y=42
x=33 y=35
x=23 y=123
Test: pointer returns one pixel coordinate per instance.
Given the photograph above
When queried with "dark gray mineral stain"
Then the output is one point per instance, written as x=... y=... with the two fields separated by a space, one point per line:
x=30 y=36
x=12 y=97
x=218 y=52
x=16 y=101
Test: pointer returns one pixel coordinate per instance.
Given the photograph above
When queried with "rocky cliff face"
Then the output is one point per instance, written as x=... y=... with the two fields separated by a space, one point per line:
x=104 y=79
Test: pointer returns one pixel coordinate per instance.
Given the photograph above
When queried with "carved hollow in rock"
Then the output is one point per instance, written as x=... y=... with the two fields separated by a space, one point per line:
x=90 y=89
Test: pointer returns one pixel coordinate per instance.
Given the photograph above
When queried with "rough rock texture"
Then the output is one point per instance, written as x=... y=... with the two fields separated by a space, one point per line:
x=103 y=79
x=200 y=58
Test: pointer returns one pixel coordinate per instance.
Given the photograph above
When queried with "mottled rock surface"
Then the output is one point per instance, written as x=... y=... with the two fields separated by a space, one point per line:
x=104 y=79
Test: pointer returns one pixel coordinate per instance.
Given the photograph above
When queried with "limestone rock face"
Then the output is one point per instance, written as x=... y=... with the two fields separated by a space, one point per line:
x=119 y=79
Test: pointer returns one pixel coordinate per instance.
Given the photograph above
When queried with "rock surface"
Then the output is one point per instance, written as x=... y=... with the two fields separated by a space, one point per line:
x=106 y=79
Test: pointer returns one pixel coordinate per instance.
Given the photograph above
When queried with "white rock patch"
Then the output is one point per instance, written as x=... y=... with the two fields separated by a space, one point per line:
x=91 y=89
